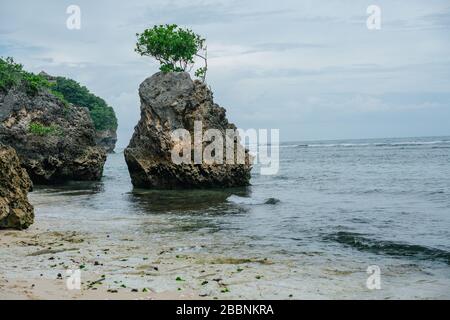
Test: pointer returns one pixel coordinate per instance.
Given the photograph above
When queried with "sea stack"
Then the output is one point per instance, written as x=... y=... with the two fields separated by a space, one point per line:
x=55 y=140
x=171 y=101
x=15 y=210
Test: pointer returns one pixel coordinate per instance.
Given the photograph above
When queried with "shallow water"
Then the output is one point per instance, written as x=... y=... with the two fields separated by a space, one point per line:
x=343 y=205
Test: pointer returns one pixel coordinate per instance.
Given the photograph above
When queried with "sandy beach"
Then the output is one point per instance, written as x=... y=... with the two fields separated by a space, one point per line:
x=53 y=253
x=35 y=263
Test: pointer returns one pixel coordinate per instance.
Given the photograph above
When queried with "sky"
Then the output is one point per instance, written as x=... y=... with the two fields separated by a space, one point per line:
x=311 y=69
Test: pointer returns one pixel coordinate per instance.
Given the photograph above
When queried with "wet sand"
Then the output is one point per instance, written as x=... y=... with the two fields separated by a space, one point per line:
x=35 y=262
x=41 y=259
x=34 y=265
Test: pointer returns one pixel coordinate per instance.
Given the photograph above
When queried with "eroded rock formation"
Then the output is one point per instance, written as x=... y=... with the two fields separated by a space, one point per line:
x=15 y=210
x=106 y=139
x=54 y=140
x=103 y=116
x=172 y=101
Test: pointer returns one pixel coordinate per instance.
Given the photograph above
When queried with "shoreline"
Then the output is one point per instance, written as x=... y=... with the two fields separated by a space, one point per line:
x=36 y=260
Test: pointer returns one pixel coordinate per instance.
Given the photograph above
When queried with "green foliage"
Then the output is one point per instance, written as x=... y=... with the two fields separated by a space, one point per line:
x=170 y=68
x=66 y=90
x=60 y=96
x=104 y=118
x=42 y=130
x=173 y=47
x=102 y=115
x=12 y=74
x=35 y=82
x=201 y=72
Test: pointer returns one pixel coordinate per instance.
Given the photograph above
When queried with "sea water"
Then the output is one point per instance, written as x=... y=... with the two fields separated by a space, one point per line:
x=334 y=209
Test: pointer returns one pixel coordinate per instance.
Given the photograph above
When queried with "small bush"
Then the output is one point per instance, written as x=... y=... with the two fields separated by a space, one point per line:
x=12 y=74
x=42 y=130
x=33 y=83
x=60 y=96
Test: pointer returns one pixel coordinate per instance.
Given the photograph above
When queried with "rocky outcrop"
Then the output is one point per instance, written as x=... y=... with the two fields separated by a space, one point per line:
x=15 y=210
x=54 y=140
x=103 y=116
x=171 y=101
x=106 y=139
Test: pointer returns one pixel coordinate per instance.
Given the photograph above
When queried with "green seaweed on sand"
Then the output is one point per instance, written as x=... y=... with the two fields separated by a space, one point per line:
x=240 y=261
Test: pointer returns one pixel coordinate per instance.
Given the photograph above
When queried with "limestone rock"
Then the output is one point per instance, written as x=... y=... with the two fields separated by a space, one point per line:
x=172 y=101
x=75 y=93
x=106 y=139
x=15 y=210
x=55 y=141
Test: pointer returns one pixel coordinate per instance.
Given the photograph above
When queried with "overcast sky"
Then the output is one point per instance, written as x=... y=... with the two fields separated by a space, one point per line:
x=310 y=68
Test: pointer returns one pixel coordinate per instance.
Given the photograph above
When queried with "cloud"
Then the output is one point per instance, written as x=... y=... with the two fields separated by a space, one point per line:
x=282 y=46
x=285 y=64
x=200 y=13
x=439 y=19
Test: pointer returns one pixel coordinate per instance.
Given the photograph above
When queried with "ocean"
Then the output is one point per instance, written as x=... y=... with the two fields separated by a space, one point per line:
x=311 y=231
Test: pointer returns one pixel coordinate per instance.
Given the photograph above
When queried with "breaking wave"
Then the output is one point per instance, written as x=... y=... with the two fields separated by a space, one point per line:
x=359 y=242
x=434 y=144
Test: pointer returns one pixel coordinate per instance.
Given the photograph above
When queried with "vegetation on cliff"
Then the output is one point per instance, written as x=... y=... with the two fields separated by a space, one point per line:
x=54 y=139
x=43 y=130
x=12 y=74
x=102 y=115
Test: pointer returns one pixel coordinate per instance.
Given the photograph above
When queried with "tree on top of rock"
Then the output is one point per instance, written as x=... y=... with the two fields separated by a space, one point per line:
x=175 y=48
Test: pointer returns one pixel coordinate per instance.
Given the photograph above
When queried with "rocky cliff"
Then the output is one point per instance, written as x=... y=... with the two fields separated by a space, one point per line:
x=172 y=101
x=106 y=139
x=103 y=115
x=54 y=139
x=15 y=210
